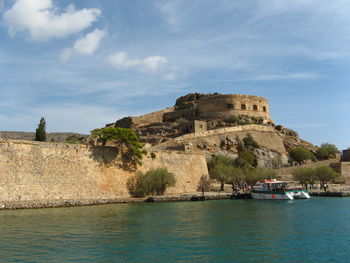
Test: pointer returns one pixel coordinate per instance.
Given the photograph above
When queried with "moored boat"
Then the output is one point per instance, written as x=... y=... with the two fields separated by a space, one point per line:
x=279 y=190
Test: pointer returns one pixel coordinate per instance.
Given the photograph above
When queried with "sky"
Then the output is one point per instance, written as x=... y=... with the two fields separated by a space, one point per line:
x=84 y=63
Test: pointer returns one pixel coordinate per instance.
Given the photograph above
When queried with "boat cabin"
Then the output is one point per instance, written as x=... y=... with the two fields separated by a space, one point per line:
x=270 y=185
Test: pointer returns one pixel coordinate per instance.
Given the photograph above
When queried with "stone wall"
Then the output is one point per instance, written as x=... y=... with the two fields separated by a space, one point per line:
x=52 y=171
x=225 y=106
x=345 y=171
x=143 y=120
x=200 y=126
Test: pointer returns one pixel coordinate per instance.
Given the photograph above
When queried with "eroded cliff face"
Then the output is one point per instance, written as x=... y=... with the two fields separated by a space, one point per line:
x=52 y=171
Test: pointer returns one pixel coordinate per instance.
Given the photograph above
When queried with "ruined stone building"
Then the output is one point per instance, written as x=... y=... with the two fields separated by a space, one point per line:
x=199 y=112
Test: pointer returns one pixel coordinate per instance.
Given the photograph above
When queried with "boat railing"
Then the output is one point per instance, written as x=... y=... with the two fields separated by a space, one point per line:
x=287 y=189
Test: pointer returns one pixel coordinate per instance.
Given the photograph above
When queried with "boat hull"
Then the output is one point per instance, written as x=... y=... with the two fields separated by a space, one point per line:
x=301 y=195
x=272 y=195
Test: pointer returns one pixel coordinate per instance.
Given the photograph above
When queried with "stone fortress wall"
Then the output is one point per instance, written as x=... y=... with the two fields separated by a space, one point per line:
x=225 y=106
x=203 y=107
x=143 y=120
x=32 y=171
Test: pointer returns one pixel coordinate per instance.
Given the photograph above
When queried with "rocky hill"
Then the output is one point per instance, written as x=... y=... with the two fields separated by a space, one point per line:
x=217 y=124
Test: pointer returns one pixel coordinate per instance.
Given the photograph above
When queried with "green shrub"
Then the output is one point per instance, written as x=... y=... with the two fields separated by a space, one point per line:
x=249 y=141
x=327 y=150
x=153 y=182
x=233 y=119
x=244 y=122
x=153 y=155
x=300 y=154
x=326 y=174
x=246 y=159
x=74 y=138
x=305 y=175
x=236 y=175
x=122 y=137
x=254 y=175
x=219 y=159
x=309 y=175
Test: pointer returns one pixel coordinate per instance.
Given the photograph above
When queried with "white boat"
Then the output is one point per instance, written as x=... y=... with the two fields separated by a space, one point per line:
x=273 y=189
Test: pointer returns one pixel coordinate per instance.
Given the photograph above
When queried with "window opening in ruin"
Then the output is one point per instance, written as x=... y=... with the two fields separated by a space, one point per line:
x=243 y=107
x=200 y=126
x=264 y=108
x=230 y=106
x=255 y=107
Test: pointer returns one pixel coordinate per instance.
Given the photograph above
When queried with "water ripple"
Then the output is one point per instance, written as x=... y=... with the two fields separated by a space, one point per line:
x=315 y=230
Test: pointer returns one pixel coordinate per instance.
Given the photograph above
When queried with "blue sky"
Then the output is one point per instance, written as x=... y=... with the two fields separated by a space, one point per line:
x=82 y=64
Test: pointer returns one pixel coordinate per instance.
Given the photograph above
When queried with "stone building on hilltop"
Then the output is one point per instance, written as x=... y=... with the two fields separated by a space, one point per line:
x=218 y=106
x=197 y=112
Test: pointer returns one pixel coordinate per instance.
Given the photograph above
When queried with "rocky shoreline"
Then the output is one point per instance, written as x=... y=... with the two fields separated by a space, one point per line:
x=89 y=202
x=331 y=194
x=35 y=204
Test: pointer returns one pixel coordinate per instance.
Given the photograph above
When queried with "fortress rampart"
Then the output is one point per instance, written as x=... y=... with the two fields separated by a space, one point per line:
x=225 y=106
x=204 y=107
x=143 y=120
x=32 y=171
x=219 y=106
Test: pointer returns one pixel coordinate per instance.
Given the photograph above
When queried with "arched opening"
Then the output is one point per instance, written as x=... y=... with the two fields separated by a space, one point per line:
x=255 y=107
x=243 y=107
x=264 y=108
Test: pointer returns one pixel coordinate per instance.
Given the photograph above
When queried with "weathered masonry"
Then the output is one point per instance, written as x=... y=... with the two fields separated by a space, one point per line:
x=344 y=166
x=224 y=106
x=32 y=171
x=203 y=107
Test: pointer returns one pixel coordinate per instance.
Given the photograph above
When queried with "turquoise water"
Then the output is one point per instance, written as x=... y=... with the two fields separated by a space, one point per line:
x=315 y=230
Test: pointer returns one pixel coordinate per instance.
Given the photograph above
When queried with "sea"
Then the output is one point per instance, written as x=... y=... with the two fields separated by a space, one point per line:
x=314 y=230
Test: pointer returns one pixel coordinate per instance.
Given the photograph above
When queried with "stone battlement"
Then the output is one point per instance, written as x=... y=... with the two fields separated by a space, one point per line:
x=204 y=107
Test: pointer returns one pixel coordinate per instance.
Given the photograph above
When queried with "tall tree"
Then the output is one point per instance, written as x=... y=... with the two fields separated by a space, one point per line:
x=40 y=133
x=220 y=168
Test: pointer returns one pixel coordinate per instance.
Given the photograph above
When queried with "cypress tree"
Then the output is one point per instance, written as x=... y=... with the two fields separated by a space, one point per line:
x=40 y=133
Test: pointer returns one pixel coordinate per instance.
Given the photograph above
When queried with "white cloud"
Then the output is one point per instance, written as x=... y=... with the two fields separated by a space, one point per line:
x=86 y=45
x=42 y=20
x=149 y=64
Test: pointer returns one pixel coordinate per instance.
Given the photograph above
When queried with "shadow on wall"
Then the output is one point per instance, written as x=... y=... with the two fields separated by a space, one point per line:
x=105 y=155
x=109 y=155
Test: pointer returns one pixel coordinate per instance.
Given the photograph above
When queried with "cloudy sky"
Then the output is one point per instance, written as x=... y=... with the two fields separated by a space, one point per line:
x=84 y=63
